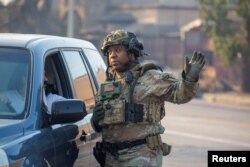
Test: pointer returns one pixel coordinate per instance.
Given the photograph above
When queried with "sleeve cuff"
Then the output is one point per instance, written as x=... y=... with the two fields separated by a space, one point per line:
x=96 y=127
x=186 y=80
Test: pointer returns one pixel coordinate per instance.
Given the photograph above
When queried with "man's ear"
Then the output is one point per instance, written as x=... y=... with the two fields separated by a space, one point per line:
x=131 y=55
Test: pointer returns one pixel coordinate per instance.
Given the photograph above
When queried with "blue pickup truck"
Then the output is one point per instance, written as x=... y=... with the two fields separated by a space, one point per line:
x=30 y=134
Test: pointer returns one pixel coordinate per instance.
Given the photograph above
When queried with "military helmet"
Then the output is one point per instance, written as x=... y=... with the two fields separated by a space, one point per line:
x=122 y=37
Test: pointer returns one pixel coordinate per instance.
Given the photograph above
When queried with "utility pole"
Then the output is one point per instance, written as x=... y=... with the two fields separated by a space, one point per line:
x=70 y=21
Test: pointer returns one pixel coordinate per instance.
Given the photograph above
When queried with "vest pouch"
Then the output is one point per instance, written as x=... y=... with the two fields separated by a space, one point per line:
x=114 y=112
x=154 y=112
x=166 y=149
x=154 y=142
x=134 y=112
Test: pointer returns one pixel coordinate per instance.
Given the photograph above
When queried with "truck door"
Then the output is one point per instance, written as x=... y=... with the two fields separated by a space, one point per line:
x=82 y=83
x=71 y=140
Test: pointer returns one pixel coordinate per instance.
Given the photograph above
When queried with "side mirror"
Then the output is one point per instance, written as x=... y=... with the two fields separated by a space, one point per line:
x=68 y=110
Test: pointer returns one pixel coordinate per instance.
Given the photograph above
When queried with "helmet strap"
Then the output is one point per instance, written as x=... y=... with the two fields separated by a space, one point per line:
x=109 y=76
x=130 y=61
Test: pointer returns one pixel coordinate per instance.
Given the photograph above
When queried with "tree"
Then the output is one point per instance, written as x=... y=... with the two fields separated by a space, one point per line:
x=30 y=16
x=229 y=39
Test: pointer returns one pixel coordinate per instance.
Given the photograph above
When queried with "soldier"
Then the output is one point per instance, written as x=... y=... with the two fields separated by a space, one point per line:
x=130 y=104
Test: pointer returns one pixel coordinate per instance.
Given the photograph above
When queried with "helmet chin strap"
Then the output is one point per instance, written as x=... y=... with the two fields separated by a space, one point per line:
x=128 y=64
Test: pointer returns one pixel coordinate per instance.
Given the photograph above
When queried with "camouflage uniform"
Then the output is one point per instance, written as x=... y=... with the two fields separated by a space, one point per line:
x=139 y=156
x=152 y=89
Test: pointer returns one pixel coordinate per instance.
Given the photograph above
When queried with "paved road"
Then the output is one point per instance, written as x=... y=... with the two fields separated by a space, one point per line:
x=196 y=127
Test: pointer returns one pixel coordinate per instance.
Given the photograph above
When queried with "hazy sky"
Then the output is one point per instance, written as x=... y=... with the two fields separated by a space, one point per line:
x=5 y=2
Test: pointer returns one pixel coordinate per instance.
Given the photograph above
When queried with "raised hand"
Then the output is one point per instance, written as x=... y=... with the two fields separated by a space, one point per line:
x=193 y=67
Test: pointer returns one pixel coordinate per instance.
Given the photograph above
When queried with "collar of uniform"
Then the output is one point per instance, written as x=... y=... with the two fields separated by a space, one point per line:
x=120 y=76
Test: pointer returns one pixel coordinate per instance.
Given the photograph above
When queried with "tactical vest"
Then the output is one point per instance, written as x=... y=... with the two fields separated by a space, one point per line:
x=118 y=104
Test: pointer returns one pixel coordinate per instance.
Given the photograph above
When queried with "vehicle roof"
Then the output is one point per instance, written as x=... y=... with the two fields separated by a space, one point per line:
x=33 y=40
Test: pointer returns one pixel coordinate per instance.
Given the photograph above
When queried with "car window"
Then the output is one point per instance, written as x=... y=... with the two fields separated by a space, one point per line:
x=14 y=67
x=80 y=76
x=97 y=64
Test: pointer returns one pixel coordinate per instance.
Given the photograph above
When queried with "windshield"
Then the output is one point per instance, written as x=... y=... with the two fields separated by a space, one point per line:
x=14 y=67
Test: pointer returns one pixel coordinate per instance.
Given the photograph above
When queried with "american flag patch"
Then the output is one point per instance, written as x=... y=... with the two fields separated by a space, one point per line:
x=108 y=87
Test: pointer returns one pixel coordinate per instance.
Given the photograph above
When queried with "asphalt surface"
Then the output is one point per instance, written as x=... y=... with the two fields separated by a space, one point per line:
x=196 y=127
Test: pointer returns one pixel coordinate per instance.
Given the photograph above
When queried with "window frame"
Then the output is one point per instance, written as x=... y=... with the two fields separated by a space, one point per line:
x=26 y=109
x=91 y=77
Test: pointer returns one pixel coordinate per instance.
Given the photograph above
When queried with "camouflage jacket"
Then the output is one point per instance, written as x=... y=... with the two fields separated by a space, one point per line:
x=152 y=89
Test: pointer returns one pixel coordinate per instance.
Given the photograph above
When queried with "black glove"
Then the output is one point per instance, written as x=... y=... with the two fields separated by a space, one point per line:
x=99 y=153
x=193 y=67
x=98 y=114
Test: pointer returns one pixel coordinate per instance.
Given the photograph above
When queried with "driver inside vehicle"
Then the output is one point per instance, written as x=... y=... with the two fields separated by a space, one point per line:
x=14 y=98
x=50 y=96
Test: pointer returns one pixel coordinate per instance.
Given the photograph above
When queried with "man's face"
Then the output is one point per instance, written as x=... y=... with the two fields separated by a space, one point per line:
x=118 y=58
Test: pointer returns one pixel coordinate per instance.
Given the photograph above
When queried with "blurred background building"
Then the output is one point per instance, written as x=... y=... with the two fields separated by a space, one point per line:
x=168 y=29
